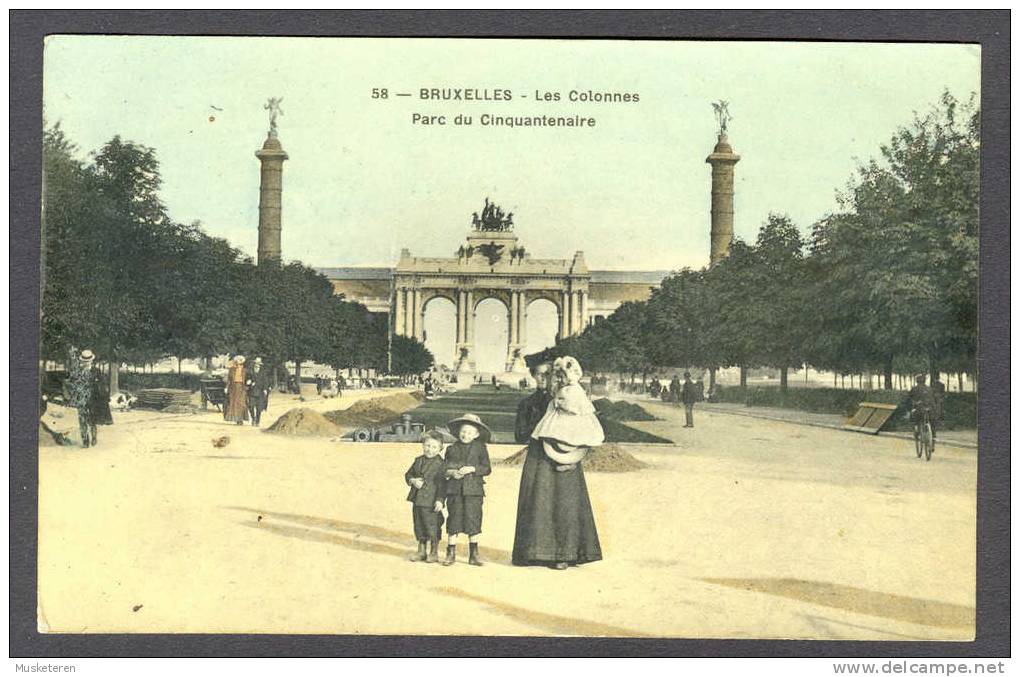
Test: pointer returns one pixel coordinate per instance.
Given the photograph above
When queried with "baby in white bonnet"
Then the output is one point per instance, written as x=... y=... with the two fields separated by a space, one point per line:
x=570 y=425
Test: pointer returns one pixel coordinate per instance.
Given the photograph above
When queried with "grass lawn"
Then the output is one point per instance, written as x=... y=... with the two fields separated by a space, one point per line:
x=498 y=409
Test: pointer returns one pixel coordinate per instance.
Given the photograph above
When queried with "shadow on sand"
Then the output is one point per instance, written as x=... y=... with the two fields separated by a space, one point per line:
x=858 y=600
x=348 y=534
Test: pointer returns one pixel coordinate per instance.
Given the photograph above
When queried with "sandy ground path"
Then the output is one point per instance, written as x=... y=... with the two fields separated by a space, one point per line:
x=743 y=528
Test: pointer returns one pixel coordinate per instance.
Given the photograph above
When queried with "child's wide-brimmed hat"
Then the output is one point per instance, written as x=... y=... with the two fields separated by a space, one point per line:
x=87 y=356
x=563 y=453
x=483 y=430
x=239 y=359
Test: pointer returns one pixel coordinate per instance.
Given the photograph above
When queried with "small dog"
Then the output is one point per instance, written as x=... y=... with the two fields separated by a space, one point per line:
x=122 y=401
x=221 y=442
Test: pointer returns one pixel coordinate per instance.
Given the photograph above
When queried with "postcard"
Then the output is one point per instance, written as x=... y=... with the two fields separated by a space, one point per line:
x=501 y=337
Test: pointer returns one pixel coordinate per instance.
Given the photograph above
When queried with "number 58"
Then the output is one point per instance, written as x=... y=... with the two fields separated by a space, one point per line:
x=378 y=93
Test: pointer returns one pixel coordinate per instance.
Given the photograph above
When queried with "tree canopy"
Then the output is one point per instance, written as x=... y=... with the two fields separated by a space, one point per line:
x=120 y=276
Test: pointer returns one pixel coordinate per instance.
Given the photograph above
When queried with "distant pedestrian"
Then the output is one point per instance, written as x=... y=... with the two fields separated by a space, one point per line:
x=236 y=407
x=257 y=390
x=88 y=395
x=689 y=394
x=674 y=389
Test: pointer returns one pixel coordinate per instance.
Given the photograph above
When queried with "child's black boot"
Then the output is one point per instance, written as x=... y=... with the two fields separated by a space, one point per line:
x=451 y=555
x=420 y=555
x=473 y=555
x=433 y=555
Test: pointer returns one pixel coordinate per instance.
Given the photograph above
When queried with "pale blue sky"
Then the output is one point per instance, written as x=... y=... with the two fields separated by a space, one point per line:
x=362 y=181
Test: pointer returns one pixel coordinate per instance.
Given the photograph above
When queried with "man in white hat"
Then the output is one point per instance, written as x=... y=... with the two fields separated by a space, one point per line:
x=80 y=385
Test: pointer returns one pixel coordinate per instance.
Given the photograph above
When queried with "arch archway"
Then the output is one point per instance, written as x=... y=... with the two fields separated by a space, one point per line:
x=440 y=323
x=492 y=335
x=543 y=324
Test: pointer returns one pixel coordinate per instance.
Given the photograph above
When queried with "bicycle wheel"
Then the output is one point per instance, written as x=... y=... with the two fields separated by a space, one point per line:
x=918 y=443
x=929 y=441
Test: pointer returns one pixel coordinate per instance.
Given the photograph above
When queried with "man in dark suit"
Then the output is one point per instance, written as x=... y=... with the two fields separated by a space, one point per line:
x=257 y=384
x=689 y=395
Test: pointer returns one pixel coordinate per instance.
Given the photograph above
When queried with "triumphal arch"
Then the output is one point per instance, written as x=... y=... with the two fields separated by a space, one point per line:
x=490 y=264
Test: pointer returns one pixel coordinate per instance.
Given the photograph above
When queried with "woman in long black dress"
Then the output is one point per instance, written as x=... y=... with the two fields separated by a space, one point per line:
x=555 y=524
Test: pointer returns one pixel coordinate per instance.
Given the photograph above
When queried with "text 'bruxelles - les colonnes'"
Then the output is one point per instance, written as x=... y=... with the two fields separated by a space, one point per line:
x=574 y=95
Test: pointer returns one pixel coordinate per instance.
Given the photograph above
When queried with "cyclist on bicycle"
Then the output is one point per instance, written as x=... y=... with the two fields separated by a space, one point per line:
x=922 y=399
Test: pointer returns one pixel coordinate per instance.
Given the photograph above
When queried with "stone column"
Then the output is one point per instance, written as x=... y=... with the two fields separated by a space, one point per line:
x=419 y=316
x=522 y=321
x=271 y=156
x=564 y=314
x=406 y=316
x=514 y=317
x=460 y=319
x=576 y=305
x=723 y=161
x=584 y=310
x=398 y=312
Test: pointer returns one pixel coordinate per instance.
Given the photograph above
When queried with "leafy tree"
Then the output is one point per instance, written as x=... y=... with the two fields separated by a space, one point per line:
x=897 y=268
x=409 y=356
x=776 y=314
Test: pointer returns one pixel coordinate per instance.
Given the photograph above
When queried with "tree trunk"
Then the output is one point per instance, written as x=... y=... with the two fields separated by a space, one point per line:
x=959 y=380
x=842 y=381
x=179 y=360
x=835 y=380
x=743 y=376
x=933 y=369
x=783 y=373
x=297 y=375
x=114 y=375
x=711 y=377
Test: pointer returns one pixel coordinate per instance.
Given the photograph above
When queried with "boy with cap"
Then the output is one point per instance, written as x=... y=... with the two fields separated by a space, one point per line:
x=427 y=477
x=467 y=462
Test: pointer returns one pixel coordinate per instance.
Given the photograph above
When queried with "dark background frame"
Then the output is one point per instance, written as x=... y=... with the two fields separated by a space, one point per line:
x=989 y=28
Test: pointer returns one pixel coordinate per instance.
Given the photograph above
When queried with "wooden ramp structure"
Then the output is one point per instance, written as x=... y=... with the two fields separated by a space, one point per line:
x=870 y=417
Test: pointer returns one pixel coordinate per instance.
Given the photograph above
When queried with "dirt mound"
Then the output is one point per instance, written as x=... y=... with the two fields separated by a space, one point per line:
x=303 y=422
x=622 y=411
x=51 y=438
x=607 y=458
x=375 y=411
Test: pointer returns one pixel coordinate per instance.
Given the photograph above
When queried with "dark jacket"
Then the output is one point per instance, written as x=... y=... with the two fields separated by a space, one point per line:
x=530 y=411
x=99 y=399
x=475 y=454
x=921 y=397
x=433 y=471
x=257 y=386
x=691 y=393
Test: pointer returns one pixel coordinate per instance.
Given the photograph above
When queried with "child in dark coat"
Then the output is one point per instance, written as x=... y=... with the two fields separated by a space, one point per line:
x=427 y=479
x=467 y=462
